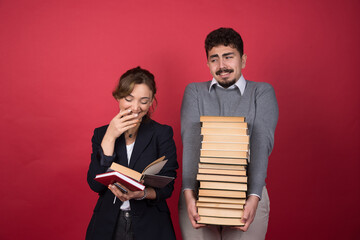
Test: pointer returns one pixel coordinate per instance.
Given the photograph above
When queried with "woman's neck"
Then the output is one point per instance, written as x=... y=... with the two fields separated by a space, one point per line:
x=131 y=134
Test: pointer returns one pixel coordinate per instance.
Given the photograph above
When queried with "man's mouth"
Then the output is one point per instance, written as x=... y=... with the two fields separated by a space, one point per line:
x=224 y=72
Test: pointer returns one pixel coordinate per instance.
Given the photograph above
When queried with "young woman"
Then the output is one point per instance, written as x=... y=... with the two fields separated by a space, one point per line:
x=134 y=140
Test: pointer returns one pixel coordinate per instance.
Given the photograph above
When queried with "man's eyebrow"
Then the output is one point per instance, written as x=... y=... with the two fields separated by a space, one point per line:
x=227 y=54
x=214 y=55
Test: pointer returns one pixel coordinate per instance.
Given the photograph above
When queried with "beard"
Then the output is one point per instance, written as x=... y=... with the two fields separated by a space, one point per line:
x=227 y=83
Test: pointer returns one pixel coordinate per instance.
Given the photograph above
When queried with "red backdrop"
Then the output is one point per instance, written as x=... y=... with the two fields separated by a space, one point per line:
x=60 y=60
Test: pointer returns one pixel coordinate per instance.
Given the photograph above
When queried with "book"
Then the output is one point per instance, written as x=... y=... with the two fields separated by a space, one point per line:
x=221 y=178
x=221 y=171
x=225 y=146
x=220 y=160
x=220 y=212
x=114 y=176
x=222 y=200
x=223 y=185
x=219 y=205
x=220 y=221
x=223 y=153
x=226 y=138
x=149 y=174
x=221 y=119
x=221 y=193
x=219 y=167
x=157 y=164
x=224 y=131
x=225 y=125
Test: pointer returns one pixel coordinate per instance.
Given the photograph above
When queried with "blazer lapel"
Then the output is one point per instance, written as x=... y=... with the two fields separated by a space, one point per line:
x=120 y=149
x=143 y=138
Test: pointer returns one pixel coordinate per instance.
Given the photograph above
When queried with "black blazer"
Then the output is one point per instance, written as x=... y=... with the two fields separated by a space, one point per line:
x=151 y=218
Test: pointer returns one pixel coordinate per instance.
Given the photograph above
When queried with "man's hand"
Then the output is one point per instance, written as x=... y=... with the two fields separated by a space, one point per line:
x=250 y=207
x=191 y=208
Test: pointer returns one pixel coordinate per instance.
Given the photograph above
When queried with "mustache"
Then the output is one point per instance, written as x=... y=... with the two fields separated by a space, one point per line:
x=224 y=70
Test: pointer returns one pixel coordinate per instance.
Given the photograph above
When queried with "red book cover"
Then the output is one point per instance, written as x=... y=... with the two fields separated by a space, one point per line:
x=111 y=177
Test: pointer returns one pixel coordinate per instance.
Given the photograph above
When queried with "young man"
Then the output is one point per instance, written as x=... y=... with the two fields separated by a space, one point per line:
x=228 y=94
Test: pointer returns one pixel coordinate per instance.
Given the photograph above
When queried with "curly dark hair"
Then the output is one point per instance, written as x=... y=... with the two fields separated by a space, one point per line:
x=226 y=37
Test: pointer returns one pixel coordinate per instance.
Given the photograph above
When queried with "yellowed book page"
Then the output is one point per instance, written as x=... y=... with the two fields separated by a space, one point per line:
x=222 y=200
x=222 y=167
x=221 y=193
x=238 y=161
x=221 y=178
x=225 y=146
x=224 y=186
x=220 y=205
x=224 y=131
x=221 y=171
x=220 y=221
x=223 y=153
x=221 y=119
x=220 y=212
x=226 y=138
x=126 y=171
x=225 y=124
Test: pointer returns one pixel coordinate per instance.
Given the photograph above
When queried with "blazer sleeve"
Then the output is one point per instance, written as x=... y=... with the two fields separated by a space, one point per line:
x=99 y=162
x=166 y=147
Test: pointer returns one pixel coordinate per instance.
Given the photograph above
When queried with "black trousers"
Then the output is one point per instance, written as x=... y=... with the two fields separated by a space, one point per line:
x=123 y=227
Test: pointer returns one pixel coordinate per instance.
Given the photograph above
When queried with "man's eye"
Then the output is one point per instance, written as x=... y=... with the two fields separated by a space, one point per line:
x=213 y=60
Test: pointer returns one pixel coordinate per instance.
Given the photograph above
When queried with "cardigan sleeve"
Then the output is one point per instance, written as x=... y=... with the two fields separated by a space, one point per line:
x=262 y=137
x=191 y=138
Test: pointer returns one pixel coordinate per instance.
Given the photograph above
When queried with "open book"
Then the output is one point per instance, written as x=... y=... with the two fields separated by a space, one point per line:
x=148 y=175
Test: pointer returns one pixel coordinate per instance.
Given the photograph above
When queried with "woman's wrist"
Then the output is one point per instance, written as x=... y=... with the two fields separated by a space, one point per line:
x=143 y=197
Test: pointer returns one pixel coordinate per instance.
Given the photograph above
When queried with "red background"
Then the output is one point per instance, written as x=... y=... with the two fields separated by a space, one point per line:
x=60 y=60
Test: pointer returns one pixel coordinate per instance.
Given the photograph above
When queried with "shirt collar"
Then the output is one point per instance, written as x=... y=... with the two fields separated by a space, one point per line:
x=240 y=84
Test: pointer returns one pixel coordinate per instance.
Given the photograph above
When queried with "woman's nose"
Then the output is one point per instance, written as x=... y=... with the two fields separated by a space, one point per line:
x=135 y=108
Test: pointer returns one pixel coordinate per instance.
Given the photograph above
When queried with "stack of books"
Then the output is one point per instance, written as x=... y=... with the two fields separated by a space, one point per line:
x=222 y=170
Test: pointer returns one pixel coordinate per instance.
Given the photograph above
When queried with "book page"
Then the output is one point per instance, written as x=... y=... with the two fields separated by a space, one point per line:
x=154 y=168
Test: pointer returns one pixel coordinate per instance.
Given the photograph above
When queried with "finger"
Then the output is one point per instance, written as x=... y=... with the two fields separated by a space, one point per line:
x=245 y=227
x=123 y=186
x=246 y=215
x=123 y=113
x=128 y=122
x=129 y=117
x=115 y=191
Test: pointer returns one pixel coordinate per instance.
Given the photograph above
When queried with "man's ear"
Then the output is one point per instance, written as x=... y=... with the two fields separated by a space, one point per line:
x=243 y=61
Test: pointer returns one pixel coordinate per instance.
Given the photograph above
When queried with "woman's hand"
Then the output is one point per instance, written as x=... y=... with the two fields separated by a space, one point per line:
x=122 y=122
x=127 y=195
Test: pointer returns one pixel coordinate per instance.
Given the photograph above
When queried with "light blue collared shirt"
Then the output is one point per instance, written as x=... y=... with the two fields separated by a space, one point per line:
x=240 y=84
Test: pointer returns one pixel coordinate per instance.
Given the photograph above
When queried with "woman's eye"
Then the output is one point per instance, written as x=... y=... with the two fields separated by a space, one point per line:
x=128 y=99
x=144 y=102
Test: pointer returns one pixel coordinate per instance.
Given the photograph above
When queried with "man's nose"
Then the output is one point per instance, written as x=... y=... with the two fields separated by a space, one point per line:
x=221 y=64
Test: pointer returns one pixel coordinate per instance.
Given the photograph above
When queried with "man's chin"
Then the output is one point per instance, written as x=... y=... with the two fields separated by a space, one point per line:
x=226 y=83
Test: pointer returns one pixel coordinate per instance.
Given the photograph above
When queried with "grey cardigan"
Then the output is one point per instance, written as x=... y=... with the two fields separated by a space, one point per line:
x=258 y=105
